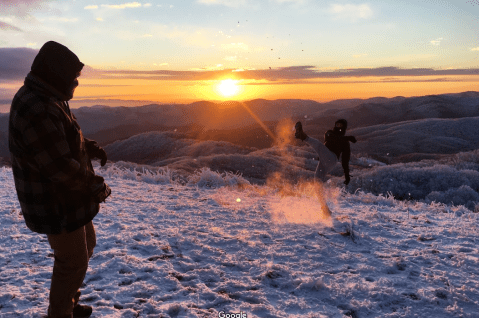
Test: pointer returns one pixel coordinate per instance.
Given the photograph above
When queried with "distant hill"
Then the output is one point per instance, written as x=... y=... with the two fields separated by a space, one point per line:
x=237 y=123
x=211 y=115
x=421 y=139
x=424 y=136
x=398 y=110
x=152 y=147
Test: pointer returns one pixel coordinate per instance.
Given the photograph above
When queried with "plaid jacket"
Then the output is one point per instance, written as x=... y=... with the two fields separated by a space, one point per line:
x=51 y=167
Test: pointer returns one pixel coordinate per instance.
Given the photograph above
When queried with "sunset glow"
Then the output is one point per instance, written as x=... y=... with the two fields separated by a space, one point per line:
x=319 y=90
x=228 y=88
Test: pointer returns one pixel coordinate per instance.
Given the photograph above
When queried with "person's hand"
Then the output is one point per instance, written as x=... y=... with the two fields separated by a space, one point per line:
x=101 y=154
x=99 y=189
x=104 y=193
x=96 y=151
x=348 y=179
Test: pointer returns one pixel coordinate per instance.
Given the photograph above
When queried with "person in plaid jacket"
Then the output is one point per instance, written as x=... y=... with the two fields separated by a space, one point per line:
x=57 y=188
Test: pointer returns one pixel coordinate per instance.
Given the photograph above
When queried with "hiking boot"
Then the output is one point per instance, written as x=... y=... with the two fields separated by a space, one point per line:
x=82 y=311
x=47 y=316
x=299 y=134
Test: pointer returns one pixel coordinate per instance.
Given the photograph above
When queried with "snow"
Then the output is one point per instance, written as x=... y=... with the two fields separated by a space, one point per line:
x=433 y=135
x=451 y=180
x=169 y=247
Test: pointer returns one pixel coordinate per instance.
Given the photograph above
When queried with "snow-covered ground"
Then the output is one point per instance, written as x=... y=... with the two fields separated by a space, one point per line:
x=219 y=244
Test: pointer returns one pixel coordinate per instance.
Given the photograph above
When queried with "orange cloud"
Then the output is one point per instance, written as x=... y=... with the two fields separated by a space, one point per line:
x=283 y=74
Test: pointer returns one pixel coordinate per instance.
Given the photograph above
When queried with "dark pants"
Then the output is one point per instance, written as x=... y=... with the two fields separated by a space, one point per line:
x=72 y=252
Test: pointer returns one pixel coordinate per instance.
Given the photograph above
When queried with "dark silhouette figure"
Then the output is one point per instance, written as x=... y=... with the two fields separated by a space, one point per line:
x=336 y=144
x=57 y=188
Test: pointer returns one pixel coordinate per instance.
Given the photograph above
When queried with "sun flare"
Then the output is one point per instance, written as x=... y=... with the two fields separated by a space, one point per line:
x=228 y=88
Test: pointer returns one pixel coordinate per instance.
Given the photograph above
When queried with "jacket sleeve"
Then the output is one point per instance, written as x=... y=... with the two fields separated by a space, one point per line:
x=45 y=137
x=351 y=139
x=91 y=146
x=345 y=156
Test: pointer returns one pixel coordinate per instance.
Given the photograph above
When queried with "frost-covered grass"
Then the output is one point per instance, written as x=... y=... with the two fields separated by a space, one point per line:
x=454 y=180
x=175 y=247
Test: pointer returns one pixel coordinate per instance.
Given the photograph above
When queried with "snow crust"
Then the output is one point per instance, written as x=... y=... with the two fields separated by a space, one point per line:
x=172 y=247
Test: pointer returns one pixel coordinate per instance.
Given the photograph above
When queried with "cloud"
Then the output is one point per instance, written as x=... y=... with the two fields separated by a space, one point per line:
x=15 y=63
x=188 y=36
x=8 y=27
x=208 y=68
x=105 y=85
x=122 y=6
x=231 y=58
x=228 y=3
x=436 y=42
x=22 y=8
x=291 y=1
x=235 y=46
x=91 y=7
x=292 y=74
x=57 y=19
x=243 y=69
x=351 y=12
x=356 y=56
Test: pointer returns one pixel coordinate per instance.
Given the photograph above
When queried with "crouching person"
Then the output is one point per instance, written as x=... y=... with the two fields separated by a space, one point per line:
x=57 y=188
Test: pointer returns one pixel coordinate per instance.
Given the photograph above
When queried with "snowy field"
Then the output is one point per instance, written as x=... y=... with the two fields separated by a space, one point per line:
x=219 y=244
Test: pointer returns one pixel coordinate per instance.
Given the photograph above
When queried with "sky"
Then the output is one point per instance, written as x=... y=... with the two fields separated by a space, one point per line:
x=181 y=51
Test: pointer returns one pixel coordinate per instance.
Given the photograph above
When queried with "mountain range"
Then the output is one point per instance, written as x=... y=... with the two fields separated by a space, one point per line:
x=385 y=127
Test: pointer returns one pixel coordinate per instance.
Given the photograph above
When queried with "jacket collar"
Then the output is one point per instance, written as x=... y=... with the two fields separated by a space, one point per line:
x=43 y=88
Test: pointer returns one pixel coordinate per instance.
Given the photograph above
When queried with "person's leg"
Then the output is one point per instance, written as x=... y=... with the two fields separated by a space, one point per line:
x=69 y=269
x=327 y=159
x=319 y=186
x=316 y=144
x=90 y=238
x=320 y=173
x=90 y=245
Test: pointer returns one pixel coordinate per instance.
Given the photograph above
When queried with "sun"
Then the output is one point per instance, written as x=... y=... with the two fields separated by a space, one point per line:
x=228 y=88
